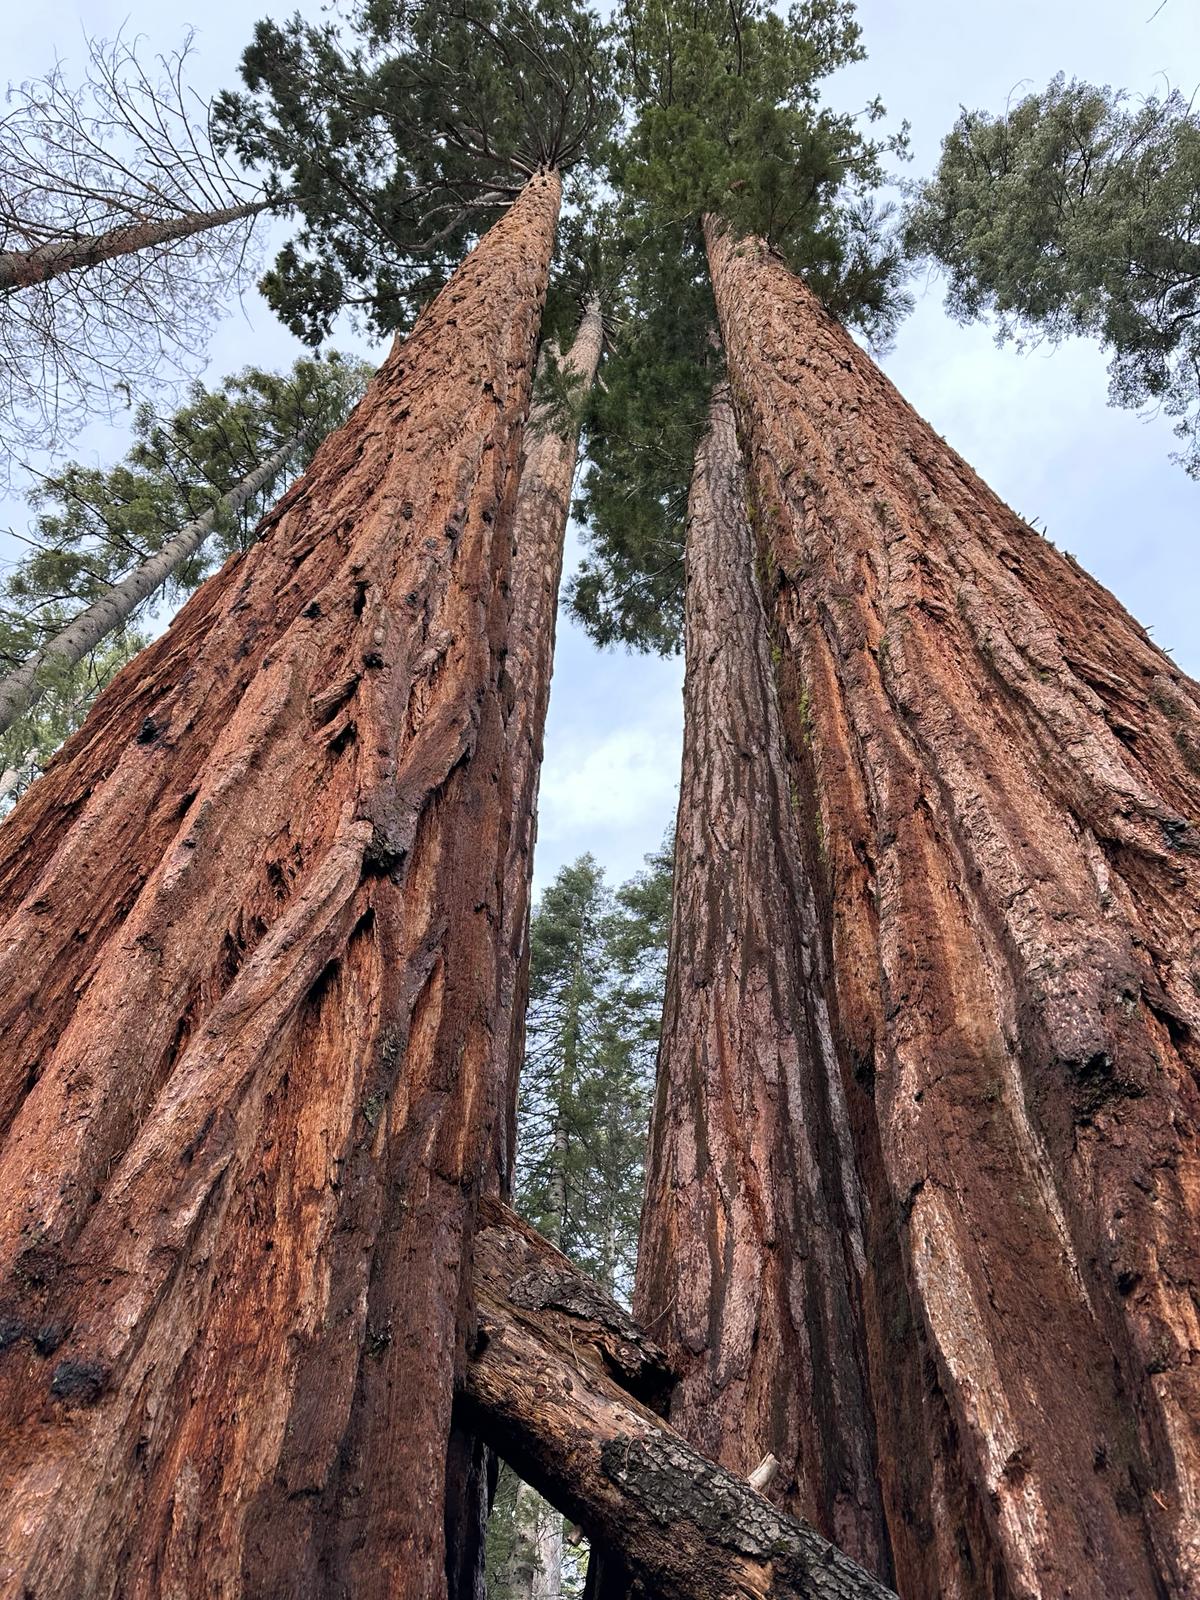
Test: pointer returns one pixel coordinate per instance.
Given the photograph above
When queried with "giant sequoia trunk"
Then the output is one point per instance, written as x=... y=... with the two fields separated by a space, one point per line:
x=1001 y=779
x=539 y=531
x=751 y=1240
x=249 y=978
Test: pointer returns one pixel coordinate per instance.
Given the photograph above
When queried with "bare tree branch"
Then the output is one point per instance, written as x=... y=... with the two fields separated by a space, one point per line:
x=123 y=229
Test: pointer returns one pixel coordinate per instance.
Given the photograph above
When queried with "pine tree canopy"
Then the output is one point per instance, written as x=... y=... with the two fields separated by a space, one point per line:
x=725 y=120
x=93 y=524
x=398 y=141
x=1075 y=213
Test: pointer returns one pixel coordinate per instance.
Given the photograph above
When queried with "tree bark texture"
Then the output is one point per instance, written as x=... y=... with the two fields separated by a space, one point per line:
x=1001 y=778
x=20 y=689
x=21 y=268
x=751 y=1247
x=564 y=1384
x=539 y=532
x=249 y=975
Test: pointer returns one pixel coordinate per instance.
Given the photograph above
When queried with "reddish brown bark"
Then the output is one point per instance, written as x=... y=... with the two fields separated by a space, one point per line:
x=249 y=979
x=539 y=532
x=1002 y=778
x=751 y=1240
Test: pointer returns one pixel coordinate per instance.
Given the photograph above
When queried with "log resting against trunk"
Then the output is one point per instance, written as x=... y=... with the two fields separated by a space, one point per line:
x=565 y=1386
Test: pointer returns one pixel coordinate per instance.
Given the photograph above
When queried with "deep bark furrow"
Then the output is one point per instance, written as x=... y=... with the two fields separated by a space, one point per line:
x=250 y=985
x=996 y=767
x=751 y=1243
x=562 y=1395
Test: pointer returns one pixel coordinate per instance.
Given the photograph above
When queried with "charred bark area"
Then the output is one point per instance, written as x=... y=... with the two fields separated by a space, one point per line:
x=999 y=774
x=249 y=978
x=751 y=1245
x=568 y=1389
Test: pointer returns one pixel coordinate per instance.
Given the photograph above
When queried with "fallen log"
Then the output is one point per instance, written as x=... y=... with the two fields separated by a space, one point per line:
x=564 y=1385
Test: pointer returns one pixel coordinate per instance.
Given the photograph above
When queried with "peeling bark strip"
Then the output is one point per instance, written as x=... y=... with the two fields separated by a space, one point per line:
x=1002 y=777
x=751 y=1239
x=20 y=689
x=539 y=532
x=19 y=269
x=248 y=980
x=562 y=1382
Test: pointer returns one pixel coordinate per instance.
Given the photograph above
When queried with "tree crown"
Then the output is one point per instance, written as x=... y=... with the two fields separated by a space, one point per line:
x=398 y=141
x=1075 y=213
x=726 y=121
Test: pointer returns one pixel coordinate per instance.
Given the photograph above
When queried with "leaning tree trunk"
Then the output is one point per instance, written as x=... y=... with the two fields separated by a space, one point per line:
x=569 y=1390
x=110 y=611
x=1002 y=774
x=751 y=1235
x=539 y=531
x=21 y=268
x=248 y=983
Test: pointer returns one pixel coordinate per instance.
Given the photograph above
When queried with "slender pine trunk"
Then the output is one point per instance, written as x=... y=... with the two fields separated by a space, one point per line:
x=535 y=1569
x=751 y=1229
x=1000 y=775
x=20 y=689
x=250 y=980
x=539 y=532
x=10 y=778
x=19 y=269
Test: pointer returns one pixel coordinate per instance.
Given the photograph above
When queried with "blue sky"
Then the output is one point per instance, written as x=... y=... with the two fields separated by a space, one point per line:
x=1035 y=425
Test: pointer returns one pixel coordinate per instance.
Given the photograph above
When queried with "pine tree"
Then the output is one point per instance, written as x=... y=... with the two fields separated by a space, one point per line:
x=1075 y=213
x=596 y=988
x=726 y=123
x=595 y=999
